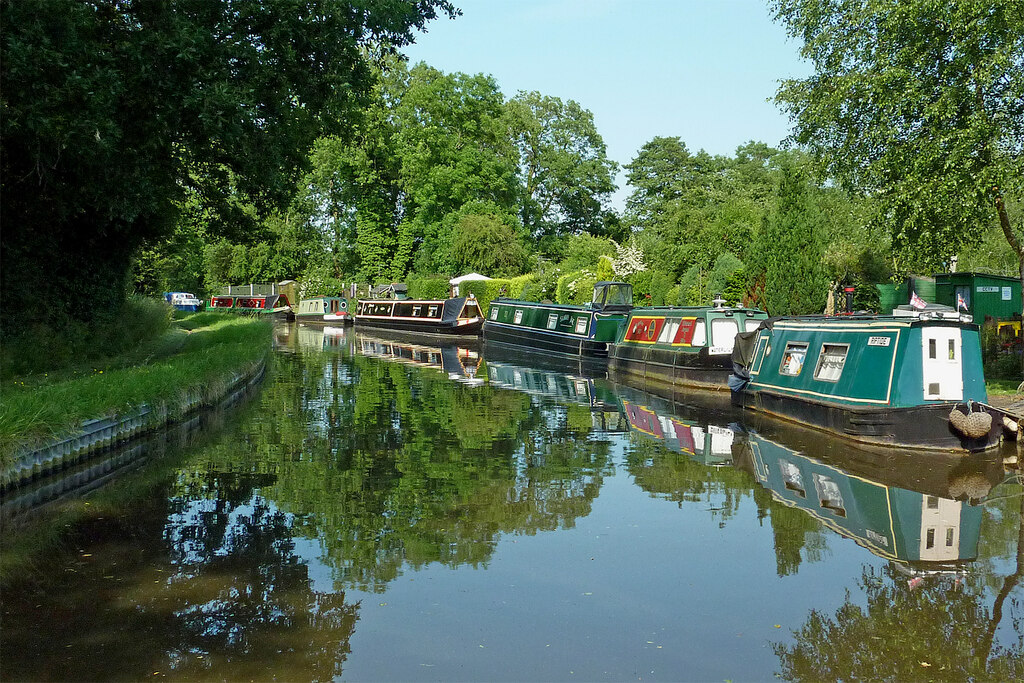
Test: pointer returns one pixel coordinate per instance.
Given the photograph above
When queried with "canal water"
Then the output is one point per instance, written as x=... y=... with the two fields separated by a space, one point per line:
x=392 y=511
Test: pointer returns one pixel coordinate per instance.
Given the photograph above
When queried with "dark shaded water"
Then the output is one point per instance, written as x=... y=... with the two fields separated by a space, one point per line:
x=385 y=511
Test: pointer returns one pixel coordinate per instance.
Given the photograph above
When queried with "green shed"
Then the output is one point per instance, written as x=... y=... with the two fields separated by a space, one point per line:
x=891 y=295
x=995 y=296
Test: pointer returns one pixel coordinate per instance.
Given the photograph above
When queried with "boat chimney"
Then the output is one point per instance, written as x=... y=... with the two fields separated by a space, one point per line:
x=718 y=301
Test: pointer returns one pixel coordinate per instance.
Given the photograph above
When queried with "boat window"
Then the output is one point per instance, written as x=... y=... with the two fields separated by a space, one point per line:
x=791 y=477
x=952 y=350
x=685 y=333
x=831 y=361
x=494 y=313
x=931 y=349
x=471 y=311
x=751 y=324
x=930 y=538
x=552 y=321
x=416 y=311
x=829 y=495
x=668 y=333
x=581 y=325
x=700 y=337
x=723 y=335
x=432 y=312
x=518 y=317
x=793 y=358
x=949 y=537
x=618 y=295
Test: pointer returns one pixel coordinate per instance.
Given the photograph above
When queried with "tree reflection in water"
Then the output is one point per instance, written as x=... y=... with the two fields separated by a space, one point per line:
x=939 y=627
x=239 y=559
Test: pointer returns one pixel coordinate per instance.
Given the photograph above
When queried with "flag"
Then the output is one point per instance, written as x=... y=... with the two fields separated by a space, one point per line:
x=960 y=303
x=917 y=302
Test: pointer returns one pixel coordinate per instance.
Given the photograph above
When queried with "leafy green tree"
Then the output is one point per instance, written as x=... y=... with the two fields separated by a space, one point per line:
x=919 y=105
x=484 y=241
x=692 y=208
x=790 y=247
x=108 y=108
x=658 y=175
x=584 y=251
x=567 y=177
x=453 y=143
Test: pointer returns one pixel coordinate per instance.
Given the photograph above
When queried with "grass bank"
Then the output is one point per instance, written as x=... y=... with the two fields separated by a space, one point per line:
x=200 y=352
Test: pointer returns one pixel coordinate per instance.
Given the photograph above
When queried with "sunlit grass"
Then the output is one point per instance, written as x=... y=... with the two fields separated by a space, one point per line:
x=1002 y=387
x=200 y=353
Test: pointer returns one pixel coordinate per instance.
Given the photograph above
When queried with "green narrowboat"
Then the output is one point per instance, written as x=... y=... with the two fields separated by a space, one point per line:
x=391 y=310
x=564 y=329
x=923 y=521
x=676 y=346
x=323 y=310
x=911 y=381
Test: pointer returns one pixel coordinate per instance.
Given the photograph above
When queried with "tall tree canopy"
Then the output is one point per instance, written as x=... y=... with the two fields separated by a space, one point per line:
x=567 y=178
x=109 y=109
x=920 y=104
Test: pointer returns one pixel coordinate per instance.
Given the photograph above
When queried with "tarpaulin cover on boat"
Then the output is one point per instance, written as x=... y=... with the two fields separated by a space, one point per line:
x=452 y=308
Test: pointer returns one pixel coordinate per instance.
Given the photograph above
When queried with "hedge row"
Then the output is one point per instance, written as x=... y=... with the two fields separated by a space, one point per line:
x=486 y=291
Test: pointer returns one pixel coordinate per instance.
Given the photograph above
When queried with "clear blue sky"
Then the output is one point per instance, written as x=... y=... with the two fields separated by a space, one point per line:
x=703 y=70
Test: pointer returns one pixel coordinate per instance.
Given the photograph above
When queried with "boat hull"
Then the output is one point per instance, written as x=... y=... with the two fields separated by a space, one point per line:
x=323 y=320
x=421 y=328
x=925 y=427
x=697 y=370
x=542 y=340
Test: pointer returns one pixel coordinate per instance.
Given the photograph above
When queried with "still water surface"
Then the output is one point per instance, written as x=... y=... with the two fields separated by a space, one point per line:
x=389 y=511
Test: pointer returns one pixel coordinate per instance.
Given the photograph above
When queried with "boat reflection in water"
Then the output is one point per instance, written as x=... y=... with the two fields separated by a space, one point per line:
x=925 y=520
x=312 y=338
x=680 y=428
x=565 y=380
x=461 y=362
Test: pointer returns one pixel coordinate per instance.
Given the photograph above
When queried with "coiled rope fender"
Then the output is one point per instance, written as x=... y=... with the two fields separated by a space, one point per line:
x=975 y=424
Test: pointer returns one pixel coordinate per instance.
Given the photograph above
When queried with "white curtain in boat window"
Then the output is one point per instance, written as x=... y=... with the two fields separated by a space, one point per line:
x=831 y=361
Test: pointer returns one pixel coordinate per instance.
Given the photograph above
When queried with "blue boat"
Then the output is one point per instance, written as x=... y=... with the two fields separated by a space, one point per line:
x=183 y=301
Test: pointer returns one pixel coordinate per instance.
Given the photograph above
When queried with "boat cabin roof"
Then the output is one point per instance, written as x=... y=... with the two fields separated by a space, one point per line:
x=943 y=316
x=692 y=310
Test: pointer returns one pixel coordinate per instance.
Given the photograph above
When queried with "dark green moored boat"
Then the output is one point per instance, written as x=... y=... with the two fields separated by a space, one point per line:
x=912 y=380
x=560 y=328
x=676 y=346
